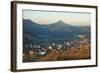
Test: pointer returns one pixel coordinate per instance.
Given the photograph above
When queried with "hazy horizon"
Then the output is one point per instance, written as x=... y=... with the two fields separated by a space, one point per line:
x=49 y=17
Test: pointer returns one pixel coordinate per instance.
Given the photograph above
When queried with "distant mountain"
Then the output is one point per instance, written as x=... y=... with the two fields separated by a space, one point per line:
x=56 y=31
x=32 y=27
x=32 y=30
x=86 y=28
x=63 y=27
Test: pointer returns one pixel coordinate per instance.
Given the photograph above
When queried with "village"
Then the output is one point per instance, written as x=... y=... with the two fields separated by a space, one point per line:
x=65 y=50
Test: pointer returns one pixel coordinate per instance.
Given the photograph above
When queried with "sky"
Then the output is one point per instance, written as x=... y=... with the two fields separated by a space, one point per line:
x=49 y=17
